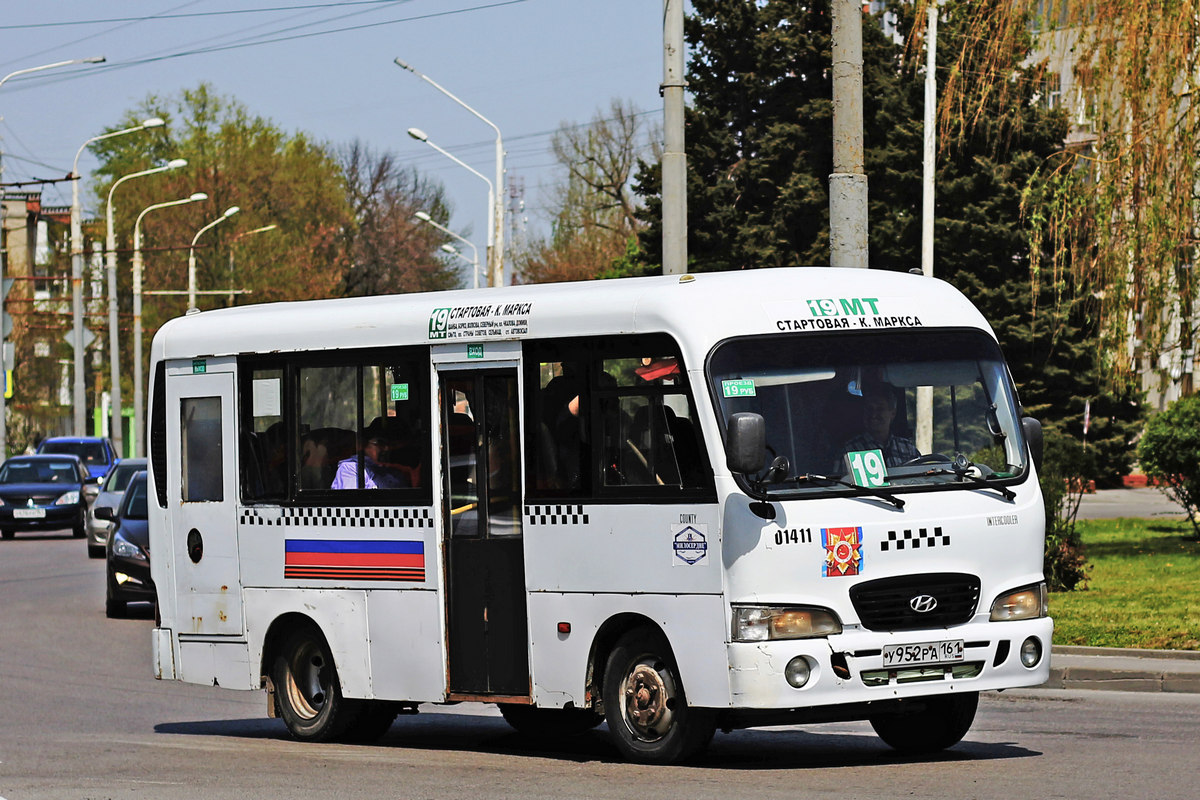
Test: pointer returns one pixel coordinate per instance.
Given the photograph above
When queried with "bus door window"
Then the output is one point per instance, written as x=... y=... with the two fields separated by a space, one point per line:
x=502 y=440
x=460 y=458
x=203 y=465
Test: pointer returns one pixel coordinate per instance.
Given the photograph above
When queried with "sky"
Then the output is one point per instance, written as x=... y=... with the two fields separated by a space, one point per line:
x=326 y=69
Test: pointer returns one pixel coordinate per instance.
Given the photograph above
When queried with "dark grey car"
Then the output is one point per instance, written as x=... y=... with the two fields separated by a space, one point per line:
x=112 y=488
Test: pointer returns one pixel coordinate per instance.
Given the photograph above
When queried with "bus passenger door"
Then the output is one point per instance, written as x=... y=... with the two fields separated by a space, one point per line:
x=201 y=499
x=487 y=633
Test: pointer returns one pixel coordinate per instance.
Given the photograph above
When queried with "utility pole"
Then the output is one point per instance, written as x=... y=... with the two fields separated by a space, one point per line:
x=924 y=432
x=674 y=159
x=848 y=183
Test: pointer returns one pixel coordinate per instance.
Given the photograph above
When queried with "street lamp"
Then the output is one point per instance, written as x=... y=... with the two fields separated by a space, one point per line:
x=113 y=332
x=3 y=365
x=449 y=248
x=421 y=136
x=77 y=343
x=496 y=256
x=229 y=212
x=139 y=407
x=421 y=215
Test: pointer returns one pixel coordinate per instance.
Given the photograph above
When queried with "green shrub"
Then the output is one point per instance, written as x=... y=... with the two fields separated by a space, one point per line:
x=1066 y=470
x=1170 y=454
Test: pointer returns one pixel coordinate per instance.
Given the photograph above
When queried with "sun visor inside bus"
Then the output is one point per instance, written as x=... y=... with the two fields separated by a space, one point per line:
x=932 y=373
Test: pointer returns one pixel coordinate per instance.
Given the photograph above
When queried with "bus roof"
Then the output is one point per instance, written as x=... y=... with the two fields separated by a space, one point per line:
x=700 y=309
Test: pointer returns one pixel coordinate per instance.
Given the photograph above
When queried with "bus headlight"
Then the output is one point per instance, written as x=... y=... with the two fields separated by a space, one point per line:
x=764 y=623
x=1028 y=602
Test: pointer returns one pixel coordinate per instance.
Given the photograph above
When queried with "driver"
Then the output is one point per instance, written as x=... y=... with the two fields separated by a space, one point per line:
x=878 y=411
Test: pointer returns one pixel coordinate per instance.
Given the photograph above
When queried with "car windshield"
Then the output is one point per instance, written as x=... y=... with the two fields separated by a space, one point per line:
x=134 y=501
x=62 y=472
x=90 y=452
x=843 y=409
x=118 y=479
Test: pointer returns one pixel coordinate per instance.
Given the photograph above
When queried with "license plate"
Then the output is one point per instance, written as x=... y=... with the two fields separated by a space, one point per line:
x=29 y=513
x=910 y=655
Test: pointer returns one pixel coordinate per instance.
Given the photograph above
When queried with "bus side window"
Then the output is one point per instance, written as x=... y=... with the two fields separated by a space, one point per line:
x=557 y=426
x=203 y=466
x=328 y=412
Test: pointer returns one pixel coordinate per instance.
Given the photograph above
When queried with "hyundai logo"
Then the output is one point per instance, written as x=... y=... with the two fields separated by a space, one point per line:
x=923 y=603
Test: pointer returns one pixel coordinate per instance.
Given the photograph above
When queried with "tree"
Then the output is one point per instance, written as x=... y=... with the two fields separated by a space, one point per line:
x=388 y=250
x=595 y=217
x=1123 y=217
x=1170 y=454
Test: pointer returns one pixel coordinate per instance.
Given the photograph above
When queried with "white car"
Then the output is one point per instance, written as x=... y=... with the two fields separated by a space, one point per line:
x=112 y=488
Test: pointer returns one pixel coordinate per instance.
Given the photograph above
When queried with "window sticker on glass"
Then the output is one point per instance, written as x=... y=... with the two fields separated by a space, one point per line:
x=266 y=397
x=867 y=468
x=742 y=387
x=398 y=392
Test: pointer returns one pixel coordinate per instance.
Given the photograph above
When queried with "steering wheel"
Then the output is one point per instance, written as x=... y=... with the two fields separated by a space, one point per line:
x=928 y=458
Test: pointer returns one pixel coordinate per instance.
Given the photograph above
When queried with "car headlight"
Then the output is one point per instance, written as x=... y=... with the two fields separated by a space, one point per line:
x=68 y=499
x=763 y=623
x=126 y=549
x=1028 y=602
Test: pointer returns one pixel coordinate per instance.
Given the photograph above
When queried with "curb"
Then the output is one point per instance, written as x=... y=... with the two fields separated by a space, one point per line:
x=1124 y=670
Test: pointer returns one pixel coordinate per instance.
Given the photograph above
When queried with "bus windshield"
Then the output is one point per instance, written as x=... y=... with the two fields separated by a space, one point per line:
x=843 y=409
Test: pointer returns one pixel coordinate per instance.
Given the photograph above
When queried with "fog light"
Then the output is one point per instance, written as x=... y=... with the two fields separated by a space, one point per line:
x=797 y=672
x=1031 y=652
x=121 y=577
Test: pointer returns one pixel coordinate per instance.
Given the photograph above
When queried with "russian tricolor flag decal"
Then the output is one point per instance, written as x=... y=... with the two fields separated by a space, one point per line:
x=364 y=560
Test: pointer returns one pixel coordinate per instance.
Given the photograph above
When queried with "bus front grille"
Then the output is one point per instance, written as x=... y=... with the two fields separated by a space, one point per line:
x=911 y=602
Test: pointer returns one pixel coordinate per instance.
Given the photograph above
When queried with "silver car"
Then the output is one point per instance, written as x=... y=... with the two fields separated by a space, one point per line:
x=112 y=488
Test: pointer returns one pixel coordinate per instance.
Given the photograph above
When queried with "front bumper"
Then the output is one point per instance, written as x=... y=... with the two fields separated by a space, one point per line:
x=56 y=518
x=848 y=667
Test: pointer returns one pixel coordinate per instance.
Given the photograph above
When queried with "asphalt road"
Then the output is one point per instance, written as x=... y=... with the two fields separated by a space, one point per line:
x=82 y=717
x=1144 y=503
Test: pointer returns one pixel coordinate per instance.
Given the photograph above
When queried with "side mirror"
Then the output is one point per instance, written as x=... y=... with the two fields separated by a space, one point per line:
x=1032 y=429
x=105 y=513
x=746 y=445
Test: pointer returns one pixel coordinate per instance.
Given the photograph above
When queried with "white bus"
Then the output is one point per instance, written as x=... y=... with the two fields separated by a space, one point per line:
x=673 y=504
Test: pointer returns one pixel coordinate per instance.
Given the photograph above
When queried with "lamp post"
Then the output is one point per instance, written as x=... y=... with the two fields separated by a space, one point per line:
x=449 y=248
x=3 y=252
x=236 y=239
x=421 y=215
x=229 y=212
x=78 y=398
x=421 y=136
x=113 y=331
x=139 y=398
x=496 y=238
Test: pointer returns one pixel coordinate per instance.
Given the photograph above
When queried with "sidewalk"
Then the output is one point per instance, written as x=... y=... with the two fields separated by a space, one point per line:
x=1122 y=670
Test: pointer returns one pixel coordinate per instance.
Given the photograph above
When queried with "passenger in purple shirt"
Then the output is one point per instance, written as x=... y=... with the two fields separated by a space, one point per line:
x=375 y=475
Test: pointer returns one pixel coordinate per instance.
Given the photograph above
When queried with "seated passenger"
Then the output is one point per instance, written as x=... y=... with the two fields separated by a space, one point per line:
x=878 y=411
x=376 y=473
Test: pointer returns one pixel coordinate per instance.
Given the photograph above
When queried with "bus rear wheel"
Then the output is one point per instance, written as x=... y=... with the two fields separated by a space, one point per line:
x=308 y=695
x=645 y=705
x=939 y=723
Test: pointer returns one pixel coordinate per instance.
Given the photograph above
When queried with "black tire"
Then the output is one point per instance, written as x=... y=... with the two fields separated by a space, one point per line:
x=95 y=551
x=939 y=722
x=7 y=534
x=114 y=606
x=645 y=705
x=549 y=723
x=308 y=694
x=79 y=531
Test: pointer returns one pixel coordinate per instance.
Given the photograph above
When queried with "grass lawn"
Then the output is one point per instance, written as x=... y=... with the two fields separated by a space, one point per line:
x=1143 y=588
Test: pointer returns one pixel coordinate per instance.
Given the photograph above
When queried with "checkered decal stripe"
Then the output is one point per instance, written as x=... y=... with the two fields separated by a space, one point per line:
x=914 y=540
x=556 y=515
x=340 y=517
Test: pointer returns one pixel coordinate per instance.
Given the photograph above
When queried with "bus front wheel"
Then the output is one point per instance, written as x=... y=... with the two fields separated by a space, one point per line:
x=645 y=705
x=308 y=695
x=939 y=723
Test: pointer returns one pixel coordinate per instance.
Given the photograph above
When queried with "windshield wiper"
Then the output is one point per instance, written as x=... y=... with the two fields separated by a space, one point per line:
x=871 y=490
x=978 y=480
